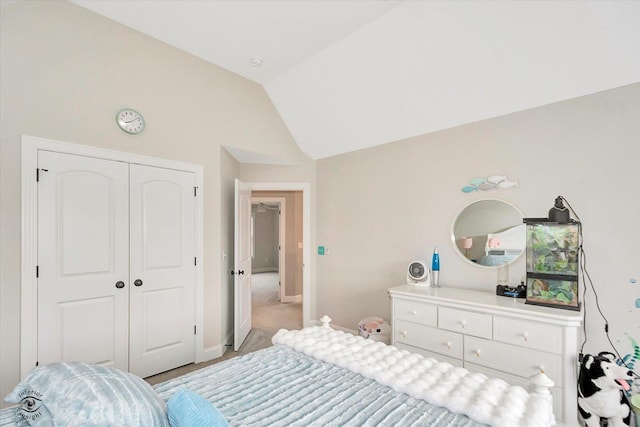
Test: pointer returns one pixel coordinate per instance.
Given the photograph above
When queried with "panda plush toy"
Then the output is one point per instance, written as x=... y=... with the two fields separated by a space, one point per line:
x=602 y=387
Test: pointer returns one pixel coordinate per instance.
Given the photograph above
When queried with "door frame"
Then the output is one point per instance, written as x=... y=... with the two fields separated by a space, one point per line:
x=305 y=188
x=282 y=237
x=29 y=247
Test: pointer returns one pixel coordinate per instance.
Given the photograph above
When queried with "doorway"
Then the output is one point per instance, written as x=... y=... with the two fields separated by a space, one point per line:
x=269 y=239
x=276 y=284
x=274 y=303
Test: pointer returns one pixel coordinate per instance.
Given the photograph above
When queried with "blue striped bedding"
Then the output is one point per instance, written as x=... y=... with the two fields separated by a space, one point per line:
x=280 y=386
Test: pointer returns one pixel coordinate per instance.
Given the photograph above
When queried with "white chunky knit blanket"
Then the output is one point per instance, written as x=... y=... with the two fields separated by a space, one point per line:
x=486 y=400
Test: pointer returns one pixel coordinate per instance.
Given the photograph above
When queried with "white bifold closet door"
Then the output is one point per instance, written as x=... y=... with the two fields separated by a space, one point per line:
x=116 y=251
x=162 y=298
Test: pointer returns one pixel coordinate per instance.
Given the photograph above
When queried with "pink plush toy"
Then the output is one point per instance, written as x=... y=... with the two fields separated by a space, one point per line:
x=375 y=328
x=495 y=242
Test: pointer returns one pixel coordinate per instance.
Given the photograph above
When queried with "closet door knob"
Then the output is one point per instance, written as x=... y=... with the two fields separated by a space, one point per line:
x=138 y=282
x=240 y=271
x=119 y=284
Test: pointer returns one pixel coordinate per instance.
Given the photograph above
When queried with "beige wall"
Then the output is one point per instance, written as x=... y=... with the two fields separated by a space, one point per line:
x=380 y=208
x=65 y=72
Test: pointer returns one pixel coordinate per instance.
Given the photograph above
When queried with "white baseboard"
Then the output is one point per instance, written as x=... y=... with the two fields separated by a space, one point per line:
x=211 y=353
x=340 y=328
x=293 y=299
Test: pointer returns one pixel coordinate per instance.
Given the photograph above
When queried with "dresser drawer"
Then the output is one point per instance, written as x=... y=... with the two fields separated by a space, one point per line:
x=528 y=334
x=512 y=359
x=465 y=322
x=417 y=312
x=428 y=338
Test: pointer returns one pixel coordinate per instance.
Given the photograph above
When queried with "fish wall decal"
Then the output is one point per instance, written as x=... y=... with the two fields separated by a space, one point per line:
x=493 y=182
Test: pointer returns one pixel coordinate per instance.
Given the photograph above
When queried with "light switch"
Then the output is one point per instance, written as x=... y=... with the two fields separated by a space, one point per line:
x=320 y=250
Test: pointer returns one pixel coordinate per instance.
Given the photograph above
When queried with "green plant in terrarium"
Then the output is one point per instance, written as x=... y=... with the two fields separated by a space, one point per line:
x=559 y=292
x=552 y=249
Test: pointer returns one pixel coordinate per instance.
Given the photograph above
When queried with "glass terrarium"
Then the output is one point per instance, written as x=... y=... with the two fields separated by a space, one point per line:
x=553 y=256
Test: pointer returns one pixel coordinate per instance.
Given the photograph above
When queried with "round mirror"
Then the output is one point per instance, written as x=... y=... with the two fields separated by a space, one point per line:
x=489 y=233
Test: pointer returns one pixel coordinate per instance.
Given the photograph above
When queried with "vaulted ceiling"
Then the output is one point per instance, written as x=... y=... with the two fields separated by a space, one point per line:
x=346 y=75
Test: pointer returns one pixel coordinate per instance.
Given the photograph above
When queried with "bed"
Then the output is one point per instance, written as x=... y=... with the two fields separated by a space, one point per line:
x=504 y=246
x=313 y=377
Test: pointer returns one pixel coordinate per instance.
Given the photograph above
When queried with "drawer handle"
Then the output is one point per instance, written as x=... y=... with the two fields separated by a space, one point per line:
x=404 y=334
x=414 y=312
x=448 y=345
x=463 y=323
x=477 y=352
x=525 y=335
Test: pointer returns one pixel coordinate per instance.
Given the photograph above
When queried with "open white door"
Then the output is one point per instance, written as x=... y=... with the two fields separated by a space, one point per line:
x=242 y=265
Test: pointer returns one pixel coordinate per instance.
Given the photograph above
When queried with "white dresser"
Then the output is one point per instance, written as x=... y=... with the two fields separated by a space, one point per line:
x=499 y=336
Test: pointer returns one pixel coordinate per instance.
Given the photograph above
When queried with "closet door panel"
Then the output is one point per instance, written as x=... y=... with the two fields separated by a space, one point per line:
x=162 y=269
x=83 y=251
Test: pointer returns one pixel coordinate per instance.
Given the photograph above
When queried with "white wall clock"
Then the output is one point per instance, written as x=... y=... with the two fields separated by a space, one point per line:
x=130 y=121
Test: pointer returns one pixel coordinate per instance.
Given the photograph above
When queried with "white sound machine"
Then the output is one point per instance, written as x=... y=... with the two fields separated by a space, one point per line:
x=418 y=274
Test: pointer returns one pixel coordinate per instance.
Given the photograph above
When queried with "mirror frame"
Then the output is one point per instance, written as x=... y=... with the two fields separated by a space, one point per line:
x=454 y=240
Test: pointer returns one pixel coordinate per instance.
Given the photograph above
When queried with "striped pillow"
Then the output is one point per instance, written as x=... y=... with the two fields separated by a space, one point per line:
x=84 y=394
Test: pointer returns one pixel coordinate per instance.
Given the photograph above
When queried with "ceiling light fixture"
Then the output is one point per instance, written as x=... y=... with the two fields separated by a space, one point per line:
x=256 y=61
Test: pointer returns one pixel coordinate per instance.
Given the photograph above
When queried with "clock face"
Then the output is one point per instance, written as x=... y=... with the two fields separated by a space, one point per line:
x=130 y=121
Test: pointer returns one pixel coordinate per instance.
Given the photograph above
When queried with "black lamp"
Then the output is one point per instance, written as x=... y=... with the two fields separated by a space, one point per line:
x=559 y=213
